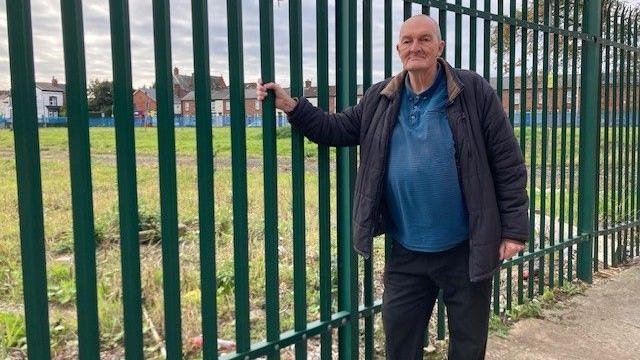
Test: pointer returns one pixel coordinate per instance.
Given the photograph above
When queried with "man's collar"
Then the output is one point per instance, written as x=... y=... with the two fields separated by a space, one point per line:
x=436 y=81
x=454 y=85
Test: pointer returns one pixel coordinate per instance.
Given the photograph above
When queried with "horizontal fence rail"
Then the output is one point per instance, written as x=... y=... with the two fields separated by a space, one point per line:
x=291 y=286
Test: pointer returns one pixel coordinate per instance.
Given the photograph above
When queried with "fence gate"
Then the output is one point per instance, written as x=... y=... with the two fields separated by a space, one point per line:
x=566 y=71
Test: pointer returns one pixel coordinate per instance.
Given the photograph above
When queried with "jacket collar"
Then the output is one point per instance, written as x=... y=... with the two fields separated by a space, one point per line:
x=454 y=85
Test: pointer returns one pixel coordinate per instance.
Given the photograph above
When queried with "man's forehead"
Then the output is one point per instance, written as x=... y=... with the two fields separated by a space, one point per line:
x=418 y=24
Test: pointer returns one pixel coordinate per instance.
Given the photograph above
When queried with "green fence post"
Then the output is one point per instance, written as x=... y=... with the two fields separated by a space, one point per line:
x=588 y=130
x=25 y=133
x=204 y=150
x=81 y=187
x=167 y=178
x=127 y=178
x=347 y=259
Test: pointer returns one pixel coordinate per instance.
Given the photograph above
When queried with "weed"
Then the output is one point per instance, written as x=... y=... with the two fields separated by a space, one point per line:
x=61 y=286
x=498 y=325
x=529 y=309
x=12 y=331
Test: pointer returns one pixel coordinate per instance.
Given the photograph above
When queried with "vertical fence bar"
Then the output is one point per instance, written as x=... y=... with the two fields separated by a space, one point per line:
x=605 y=203
x=239 y=175
x=388 y=42
x=324 y=186
x=406 y=9
x=624 y=78
x=554 y=132
x=25 y=134
x=442 y=21
x=168 y=183
x=620 y=143
x=127 y=182
x=523 y=137
x=271 y=257
x=563 y=145
x=512 y=91
x=512 y=73
x=458 y=37
x=588 y=130
x=534 y=131
x=473 y=34
x=614 y=260
x=543 y=165
x=297 y=179
x=634 y=178
x=572 y=148
x=426 y=9
x=204 y=138
x=626 y=140
x=347 y=260
x=441 y=315
x=499 y=91
x=368 y=263
x=486 y=62
x=81 y=187
x=388 y=56
x=598 y=167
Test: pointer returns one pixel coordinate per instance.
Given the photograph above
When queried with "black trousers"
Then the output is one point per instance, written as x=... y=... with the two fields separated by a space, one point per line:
x=412 y=281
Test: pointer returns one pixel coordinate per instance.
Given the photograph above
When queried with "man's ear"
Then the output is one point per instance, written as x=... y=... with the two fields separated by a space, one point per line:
x=442 y=46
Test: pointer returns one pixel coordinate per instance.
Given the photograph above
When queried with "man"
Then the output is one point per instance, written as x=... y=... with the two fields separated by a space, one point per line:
x=441 y=173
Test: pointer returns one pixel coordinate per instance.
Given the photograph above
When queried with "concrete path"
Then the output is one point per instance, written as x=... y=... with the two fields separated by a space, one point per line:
x=602 y=324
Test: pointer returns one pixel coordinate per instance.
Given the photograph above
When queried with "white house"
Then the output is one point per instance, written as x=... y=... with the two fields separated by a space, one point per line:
x=50 y=98
x=5 y=106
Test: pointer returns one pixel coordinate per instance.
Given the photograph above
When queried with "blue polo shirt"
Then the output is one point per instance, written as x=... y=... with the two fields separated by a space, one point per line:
x=422 y=191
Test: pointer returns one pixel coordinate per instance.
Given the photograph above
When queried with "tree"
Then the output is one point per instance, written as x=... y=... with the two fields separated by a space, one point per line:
x=100 y=97
x=564 y=16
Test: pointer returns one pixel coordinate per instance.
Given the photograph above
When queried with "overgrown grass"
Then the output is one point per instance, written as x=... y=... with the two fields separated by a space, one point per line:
x=103 y=141
x=59 y=248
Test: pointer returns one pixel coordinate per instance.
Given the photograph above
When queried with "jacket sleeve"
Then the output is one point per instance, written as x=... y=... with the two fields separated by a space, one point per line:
x=508 y=169
x=340 y=129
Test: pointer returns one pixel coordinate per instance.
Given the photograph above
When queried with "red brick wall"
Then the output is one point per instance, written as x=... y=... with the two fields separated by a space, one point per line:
x=143 y=103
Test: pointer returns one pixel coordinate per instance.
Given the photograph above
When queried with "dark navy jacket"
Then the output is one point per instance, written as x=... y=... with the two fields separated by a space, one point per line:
x=491 y=167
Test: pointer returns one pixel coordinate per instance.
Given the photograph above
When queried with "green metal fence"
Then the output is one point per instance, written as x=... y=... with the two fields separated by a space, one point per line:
x=576 y=64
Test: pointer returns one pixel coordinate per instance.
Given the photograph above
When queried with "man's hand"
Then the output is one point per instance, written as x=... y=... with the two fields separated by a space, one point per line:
x=284 y=102
x=509 y=248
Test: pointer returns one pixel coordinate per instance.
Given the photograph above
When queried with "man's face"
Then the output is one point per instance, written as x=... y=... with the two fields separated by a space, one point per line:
x=419 y=45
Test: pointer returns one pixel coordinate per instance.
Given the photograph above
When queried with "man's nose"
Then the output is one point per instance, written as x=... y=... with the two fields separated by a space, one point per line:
x=415 y=46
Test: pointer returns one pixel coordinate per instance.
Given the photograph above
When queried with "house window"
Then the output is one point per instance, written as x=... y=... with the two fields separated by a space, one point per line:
x=186 y=106
x=257 y=104
x=53 y=101
x=568 y=96
x=516 y=98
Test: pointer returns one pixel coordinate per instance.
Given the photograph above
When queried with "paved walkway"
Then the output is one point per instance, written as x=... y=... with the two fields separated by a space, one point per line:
x=602 y=324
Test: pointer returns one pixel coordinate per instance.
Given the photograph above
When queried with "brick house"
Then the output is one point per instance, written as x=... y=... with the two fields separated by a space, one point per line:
x=144 y=103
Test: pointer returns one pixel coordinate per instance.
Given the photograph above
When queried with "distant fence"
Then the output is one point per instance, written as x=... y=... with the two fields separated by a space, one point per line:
x=179 y=121
x=256 y=121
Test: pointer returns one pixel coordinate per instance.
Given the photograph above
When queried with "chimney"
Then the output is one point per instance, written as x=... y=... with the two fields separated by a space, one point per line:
x=54 y=81
x=307 y=84
x=176 y=71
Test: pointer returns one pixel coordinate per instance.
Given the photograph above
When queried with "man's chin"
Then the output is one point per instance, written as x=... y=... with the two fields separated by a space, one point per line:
x=416 y=68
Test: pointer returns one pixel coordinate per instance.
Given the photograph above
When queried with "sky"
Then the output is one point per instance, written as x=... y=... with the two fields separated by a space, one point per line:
x=48 y=52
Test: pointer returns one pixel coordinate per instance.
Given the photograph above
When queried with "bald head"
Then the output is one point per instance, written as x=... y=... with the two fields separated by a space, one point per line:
x=421 y=19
